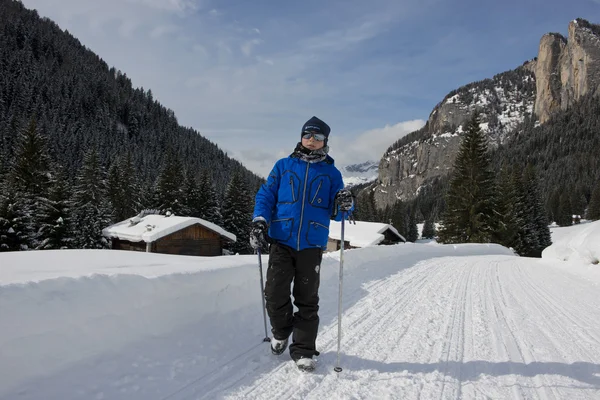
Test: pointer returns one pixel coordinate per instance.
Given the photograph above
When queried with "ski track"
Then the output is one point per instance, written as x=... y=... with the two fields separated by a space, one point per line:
x=473 y=327
x=447 y=328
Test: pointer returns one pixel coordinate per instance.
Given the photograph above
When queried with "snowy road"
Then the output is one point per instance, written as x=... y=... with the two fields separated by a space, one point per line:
x=448 y=328
x=421 y=321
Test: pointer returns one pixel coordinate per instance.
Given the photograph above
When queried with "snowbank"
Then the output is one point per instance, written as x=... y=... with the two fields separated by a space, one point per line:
x=61 y=309
x=577 y=244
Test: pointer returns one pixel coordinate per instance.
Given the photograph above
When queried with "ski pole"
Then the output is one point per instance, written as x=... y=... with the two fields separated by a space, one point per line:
x=262 y=295
x=337 y=365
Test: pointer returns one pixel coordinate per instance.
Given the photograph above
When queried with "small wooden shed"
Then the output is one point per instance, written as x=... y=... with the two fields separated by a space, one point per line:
x=362 y=234
x=169 y=235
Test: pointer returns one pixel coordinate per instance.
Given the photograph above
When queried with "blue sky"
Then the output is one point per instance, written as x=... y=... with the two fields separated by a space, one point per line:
x=247 y=74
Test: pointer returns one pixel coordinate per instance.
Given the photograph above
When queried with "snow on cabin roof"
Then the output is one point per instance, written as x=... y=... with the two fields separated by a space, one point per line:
x=150 y=228
x=361 y=234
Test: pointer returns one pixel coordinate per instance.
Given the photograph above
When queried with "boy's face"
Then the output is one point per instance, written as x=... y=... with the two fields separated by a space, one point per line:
x=312 y=143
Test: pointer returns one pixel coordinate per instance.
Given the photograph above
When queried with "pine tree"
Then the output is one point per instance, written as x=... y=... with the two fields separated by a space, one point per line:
x=399 y=218
x=31 y=176
x=565 y=213
x=428 y=228
x=507 y=233
x=527 y=239
x=365 y=206
x=469 y=216
x=124 y=191
x=538 y=217
x=192 y=196
x=578 y=201
x=169 y=187
x=593 y=211
x=413 y=231
x=211 y=211
x=552 y=206
x=13 y=221
x=92 y=209
x=56 y=216
x=237 y=214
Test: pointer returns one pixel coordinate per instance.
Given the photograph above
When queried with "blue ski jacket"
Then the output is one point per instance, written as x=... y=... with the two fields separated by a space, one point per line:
x=297 y=201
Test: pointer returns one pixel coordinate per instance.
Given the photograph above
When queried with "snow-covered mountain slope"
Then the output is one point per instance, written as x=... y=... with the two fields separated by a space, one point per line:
x=423 y=321
x=424 y=156
x=357 y=174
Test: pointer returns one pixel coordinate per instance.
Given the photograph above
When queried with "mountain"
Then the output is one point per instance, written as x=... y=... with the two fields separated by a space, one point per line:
x=424 y=156
x=548 y=94
x=79 y=102
x=357 y=174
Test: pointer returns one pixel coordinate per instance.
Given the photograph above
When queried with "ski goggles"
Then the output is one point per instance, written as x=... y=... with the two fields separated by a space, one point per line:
x=319 y=137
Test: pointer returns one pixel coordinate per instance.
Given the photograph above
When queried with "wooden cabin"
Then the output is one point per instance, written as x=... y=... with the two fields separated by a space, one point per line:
x=362 y=234
x=169 y=235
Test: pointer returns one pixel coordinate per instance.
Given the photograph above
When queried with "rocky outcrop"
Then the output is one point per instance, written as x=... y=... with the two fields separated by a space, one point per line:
x=548 y=82
x=503 y=102
x=567 y=69
x=563 y=72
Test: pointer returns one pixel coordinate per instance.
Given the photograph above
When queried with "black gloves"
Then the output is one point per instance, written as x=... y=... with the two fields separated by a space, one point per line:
x=258 y=234
x=344 y=200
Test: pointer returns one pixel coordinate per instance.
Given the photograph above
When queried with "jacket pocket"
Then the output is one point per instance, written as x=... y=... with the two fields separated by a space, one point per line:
x=317 y=234
x=289 y=188
x=320 y=188
x=281 y=229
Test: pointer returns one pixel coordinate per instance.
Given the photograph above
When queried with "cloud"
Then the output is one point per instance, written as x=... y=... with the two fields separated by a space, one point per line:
x=367 y=146
x=253 y=68
x=340 y=39
x=178 y=6
x=162 y=30
x=248 y=46
x=370 y=145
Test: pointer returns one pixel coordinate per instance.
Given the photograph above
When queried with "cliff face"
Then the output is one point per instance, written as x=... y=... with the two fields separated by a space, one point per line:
x=565 y=70
x=503 y=102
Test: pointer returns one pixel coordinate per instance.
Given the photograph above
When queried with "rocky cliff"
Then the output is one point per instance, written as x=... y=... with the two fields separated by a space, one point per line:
x=567 y=69
x=413 y=162
x=564 y=70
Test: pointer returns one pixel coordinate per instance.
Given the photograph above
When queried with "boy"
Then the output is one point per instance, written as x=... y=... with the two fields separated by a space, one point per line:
x=294 y=206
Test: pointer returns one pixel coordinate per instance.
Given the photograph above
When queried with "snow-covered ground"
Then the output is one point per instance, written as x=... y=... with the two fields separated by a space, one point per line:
x=423 y=320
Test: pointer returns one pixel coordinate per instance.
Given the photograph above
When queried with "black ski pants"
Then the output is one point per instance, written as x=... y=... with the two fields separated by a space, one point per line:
x=303 y=268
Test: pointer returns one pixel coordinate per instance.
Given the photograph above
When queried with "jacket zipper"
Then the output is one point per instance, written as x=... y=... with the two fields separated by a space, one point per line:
x=292 y=186
x=321 y=225
x=302 y=212
x=318 y=188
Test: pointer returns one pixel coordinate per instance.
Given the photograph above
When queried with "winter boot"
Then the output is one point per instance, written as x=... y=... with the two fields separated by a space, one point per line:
x=278 y=346
x=306 y=364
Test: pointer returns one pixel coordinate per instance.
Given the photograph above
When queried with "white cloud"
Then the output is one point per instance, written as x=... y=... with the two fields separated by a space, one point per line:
x=367 y=146
x=340 y=39
x=212 y=75
x=370 y=145
x=248 y=46
x=178 y=6
x=162 y=30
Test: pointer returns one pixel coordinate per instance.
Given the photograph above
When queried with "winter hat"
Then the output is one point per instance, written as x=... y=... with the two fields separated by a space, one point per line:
x=316 y=125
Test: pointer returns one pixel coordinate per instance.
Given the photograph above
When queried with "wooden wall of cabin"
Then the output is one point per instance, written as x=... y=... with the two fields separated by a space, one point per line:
x=194 y=240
